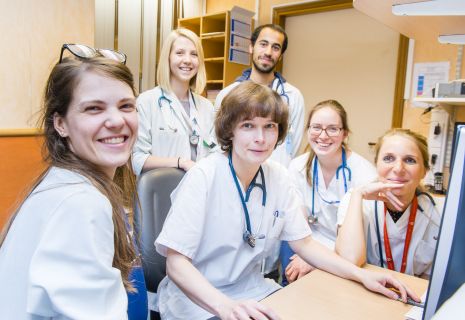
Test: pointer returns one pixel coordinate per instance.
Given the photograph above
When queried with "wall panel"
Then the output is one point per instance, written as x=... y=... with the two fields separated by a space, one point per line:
x=20 y=163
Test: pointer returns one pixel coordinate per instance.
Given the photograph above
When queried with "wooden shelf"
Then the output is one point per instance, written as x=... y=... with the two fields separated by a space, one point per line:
x=215 y=60
x=214 y=32
x=215 y=81
x=448 y=101
x=213 y=35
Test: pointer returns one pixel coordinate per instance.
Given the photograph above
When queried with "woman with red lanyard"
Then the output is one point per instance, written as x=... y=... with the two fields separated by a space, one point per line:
x=392 y=223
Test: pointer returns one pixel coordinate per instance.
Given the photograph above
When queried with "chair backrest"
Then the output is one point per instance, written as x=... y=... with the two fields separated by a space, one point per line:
x=154 y=188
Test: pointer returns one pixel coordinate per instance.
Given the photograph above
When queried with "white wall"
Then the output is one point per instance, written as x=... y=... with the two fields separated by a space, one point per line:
x=32 y=35
x=347 y=56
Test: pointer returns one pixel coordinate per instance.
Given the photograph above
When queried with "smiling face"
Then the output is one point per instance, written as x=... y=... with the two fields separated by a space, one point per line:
x=253 y=142
x=184 y=61
x=322 y=144
x=101 y=123
x=400 y=160
x=267 y=50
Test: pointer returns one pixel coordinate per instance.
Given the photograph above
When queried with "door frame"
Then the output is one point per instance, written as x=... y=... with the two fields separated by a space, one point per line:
x=280 y=13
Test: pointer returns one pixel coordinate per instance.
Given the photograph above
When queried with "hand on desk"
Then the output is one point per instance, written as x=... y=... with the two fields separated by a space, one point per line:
x=297 y=268
x=385 y=284
x=246 y=310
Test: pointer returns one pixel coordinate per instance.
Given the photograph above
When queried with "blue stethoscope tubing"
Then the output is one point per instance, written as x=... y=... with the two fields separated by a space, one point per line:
x=163 y=97
x=281 y=81
x=252 y=185
x=342 y=168
x=378 y=233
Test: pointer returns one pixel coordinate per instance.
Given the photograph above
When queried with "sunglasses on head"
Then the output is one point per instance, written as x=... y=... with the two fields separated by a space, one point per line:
x=85 y=52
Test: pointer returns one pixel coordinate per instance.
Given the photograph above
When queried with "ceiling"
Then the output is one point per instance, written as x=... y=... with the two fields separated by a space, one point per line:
x=426 y=28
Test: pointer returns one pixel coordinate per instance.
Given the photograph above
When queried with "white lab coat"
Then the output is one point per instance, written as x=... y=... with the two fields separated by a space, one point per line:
x=164 y=131
x=424 y=237
x=285 y=152
x=325 y=230
x=206 y=224
x=56 y=261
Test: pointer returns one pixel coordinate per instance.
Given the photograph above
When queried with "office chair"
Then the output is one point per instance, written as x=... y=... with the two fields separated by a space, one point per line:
x=154 y=188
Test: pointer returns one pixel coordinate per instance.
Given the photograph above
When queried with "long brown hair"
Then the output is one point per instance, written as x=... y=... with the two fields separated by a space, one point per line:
x=62 y=82
x=339 y=109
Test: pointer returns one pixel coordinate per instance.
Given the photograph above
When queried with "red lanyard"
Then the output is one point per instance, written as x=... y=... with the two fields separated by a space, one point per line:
x=408 y=237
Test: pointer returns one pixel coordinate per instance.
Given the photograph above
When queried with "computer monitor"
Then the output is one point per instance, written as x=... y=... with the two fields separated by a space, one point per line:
x=449 y=261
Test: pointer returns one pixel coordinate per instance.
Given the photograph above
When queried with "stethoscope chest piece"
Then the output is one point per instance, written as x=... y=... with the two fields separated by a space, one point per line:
x=312 y=219
x=194 y=139
x=249 y=238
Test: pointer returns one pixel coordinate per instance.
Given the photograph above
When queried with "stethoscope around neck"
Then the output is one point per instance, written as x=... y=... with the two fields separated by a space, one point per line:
x=346 y=175
x=248 y=236
x=279 y=85
x=194 y=135
x=378 y=232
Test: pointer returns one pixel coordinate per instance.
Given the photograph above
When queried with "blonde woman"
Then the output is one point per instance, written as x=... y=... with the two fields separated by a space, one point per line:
x=392 y=223
x=175 y=120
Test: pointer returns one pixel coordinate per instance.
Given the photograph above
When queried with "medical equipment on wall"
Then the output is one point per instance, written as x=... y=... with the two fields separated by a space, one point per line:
x=437 y=143
x=248 y=235
x=346 y=176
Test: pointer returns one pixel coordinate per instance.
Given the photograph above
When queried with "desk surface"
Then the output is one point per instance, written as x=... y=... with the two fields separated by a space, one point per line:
x=320 y=295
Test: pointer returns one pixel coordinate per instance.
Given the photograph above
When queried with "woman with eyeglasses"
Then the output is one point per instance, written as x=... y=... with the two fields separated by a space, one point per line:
x=392 y=222
x=227 y=214
x=323 y=175
x=175 y=121
x=68 y=252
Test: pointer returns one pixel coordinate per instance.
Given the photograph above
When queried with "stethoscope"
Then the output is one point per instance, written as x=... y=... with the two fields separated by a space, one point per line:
x=248 y=236
x=280 y=84
x=378 y=232
x=194 y=136
x=346 y=173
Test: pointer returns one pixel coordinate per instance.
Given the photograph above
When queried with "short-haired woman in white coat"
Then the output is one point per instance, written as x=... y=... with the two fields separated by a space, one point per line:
x=175 y=121
x=229 y=211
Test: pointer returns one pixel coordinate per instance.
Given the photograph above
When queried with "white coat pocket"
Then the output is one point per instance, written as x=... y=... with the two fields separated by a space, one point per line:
x=168 y=143
x=423 y=258
x=276 y=228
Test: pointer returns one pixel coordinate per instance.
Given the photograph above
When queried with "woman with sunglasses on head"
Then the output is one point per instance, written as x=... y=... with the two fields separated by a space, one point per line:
x=67 y=251
x=228 y=212
x=392 y=222
x=175 y=121
x=323 y=176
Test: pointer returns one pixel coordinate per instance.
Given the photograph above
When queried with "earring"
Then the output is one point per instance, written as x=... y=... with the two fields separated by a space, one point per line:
x=62 y=134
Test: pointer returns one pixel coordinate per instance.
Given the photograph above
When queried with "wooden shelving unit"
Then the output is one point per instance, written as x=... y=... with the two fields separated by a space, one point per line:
x=214 y=32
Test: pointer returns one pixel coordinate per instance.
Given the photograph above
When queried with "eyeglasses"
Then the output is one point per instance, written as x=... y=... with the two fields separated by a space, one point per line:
x=331 y=131
x=86 y=52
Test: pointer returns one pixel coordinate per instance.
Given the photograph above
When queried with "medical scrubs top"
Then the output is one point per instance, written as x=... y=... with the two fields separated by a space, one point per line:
x=206 y=224
x=424 y=237
x=362 y=172
x=57 y=259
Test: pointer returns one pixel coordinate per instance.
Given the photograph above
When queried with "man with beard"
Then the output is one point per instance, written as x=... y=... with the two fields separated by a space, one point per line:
x=268 y=43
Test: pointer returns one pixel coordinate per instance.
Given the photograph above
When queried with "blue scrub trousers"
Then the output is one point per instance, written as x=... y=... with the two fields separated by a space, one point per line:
x=137 y=301
x=285 y=254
